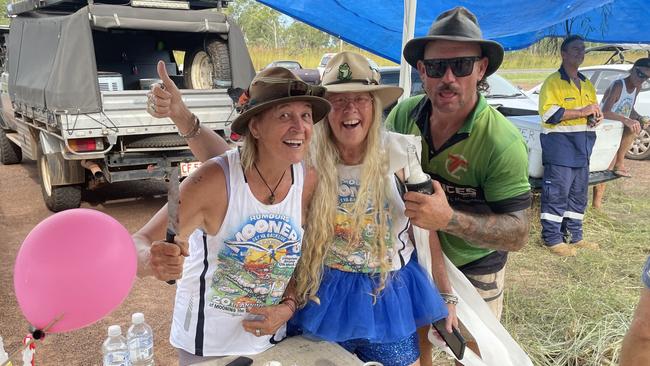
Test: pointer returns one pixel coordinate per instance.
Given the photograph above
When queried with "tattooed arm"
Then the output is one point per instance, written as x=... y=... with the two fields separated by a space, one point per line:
x=508 y=231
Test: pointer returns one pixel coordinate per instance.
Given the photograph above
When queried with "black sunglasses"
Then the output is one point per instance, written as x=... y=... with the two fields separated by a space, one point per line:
x=641 y=74
x=460 y=66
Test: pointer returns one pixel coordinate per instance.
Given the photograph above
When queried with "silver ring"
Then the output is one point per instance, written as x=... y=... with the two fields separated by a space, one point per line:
x=258 y=332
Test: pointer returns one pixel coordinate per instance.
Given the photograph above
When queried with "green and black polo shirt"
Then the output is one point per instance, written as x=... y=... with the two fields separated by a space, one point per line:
x=483 y=168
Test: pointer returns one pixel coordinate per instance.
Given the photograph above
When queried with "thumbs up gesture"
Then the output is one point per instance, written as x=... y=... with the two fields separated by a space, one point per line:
x=164 y=100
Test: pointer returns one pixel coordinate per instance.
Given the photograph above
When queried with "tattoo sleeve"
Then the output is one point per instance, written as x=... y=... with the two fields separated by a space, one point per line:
x=508 y=232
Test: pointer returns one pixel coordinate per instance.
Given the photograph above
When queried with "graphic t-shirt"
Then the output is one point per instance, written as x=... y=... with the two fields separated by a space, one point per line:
x=360 y=255
x=256 y=263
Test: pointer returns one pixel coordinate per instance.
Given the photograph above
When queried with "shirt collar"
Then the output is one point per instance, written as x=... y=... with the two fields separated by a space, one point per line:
x=564 y=76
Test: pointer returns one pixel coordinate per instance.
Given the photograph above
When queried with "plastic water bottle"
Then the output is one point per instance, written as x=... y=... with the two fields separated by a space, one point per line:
x=3 y=355
x=115 y=350
x=140 y=340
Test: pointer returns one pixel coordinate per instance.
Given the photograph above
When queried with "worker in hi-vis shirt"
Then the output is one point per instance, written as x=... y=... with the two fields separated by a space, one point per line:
x=569 y=110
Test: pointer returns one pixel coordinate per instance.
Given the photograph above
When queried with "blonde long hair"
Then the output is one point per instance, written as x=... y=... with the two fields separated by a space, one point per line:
x=319 y=227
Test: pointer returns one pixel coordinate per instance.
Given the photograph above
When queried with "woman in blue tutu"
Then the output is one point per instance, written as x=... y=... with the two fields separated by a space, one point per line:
x=358 y=281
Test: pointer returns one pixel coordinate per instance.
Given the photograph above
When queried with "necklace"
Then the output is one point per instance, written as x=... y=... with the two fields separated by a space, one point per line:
x=272 y=195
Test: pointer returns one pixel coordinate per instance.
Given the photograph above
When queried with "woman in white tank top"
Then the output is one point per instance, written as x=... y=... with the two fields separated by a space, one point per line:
x=239 y=233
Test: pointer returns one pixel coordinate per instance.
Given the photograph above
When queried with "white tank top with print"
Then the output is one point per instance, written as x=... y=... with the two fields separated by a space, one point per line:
x=248 y=263
x=625 y=102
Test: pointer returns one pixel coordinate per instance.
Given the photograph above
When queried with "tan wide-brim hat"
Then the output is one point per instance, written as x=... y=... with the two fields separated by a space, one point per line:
x=349 y=72
x=274 y=86
x=460 y=25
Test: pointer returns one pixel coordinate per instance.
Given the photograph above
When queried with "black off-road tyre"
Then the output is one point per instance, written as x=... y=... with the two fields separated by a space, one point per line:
x=57 y=198
x=10 y=153
x=640 y=149
x=203 y=66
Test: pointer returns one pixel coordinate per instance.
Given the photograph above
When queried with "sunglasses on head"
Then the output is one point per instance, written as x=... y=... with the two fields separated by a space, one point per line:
x=460 y=66
x=641 y=74
x=294 y=88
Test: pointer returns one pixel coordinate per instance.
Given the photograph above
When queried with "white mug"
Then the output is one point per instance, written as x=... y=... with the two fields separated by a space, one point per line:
x=373 y=363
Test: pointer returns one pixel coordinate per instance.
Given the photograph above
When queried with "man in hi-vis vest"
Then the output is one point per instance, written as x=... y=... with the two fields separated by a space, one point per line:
x=569 y=110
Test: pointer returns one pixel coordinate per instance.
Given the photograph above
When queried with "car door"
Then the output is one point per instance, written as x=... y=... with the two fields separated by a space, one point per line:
x=604 y=79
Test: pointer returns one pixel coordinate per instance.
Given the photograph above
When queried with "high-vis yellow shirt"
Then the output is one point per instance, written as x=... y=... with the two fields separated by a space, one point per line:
x=569 y=142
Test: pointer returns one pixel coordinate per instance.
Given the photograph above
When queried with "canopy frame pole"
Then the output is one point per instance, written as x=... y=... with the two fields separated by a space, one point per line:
x=408 y=30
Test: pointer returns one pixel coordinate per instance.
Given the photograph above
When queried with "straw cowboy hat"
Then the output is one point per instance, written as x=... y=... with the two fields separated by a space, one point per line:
x=274 y=86
x=459 y=25
x=349 y=72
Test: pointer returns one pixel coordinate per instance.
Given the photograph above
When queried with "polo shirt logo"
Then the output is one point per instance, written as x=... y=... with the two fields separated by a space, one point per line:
x=456 y=164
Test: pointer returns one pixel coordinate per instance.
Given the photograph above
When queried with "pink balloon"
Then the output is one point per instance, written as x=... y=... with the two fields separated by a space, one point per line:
x=80 y=263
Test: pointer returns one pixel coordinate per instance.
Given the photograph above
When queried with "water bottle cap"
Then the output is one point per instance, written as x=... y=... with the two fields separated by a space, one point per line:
x=114 y=330
x=137 y=318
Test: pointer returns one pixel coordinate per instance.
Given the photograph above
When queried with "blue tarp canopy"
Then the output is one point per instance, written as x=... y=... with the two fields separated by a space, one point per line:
x=376 y=25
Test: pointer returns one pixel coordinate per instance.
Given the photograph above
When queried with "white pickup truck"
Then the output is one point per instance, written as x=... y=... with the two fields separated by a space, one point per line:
x=74 y=84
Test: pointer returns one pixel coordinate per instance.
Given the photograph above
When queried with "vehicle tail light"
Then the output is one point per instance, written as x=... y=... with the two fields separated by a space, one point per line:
x=88 y=144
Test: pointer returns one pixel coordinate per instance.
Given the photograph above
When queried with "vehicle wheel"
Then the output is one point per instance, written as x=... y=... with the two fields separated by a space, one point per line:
x=203 y=66
x=10 y=153
x=57 y=198
x=640 y=148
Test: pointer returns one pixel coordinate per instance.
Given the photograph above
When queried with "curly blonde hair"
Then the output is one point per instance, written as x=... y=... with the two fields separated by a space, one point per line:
x=372 y=194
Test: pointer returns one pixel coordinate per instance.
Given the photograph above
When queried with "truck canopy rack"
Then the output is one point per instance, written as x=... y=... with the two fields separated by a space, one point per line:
x=71 y=6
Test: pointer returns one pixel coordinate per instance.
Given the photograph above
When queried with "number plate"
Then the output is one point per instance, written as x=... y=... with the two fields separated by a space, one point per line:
x=188 y=168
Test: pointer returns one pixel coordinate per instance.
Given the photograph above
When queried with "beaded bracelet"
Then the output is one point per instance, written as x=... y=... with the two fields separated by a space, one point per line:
x=195 y=131
x=449 y=298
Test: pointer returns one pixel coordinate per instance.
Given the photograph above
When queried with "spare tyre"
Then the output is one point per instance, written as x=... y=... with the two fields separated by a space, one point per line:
x=207 y=66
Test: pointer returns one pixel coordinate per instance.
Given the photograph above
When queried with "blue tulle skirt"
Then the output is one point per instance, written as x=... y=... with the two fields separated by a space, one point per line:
x=346 y=309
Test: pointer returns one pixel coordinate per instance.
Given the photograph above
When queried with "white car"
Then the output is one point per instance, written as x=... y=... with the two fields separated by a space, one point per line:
x=602 y=76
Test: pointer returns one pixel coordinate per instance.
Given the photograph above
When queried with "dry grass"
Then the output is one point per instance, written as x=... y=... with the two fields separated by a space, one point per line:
x=575 y=311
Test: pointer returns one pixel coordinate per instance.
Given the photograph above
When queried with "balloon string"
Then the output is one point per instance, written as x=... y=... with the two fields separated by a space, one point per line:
x=32 y=340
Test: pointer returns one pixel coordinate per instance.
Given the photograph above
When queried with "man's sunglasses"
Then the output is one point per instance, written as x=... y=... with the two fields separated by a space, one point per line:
x=641 y=74
x=460 y=66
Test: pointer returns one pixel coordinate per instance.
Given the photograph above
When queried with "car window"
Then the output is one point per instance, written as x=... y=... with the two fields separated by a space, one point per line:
x=606 y=77
x=291 y=65
x=589 y=74
x=325 y=60
x=389 y=77
x=392 y=78
x=500 y=87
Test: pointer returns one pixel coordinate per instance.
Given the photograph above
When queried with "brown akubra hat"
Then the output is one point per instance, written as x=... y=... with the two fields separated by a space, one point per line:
x=349 y=72
x=460 y=25
x=274 y=86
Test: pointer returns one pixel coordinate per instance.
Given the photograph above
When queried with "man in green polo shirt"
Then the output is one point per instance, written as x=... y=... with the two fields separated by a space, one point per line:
x=478 y=159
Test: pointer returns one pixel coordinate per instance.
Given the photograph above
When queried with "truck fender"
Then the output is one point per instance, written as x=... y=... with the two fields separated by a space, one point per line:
x=62 y=171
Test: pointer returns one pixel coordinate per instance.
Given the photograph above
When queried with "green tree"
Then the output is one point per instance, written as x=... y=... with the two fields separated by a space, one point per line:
x=302 y=36
x=261 y=25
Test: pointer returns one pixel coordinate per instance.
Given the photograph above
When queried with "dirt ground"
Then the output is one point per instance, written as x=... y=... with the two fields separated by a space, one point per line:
x=22 y=208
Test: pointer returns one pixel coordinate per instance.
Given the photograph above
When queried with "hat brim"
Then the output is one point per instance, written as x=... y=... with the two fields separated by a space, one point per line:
x=387 y=94
x=414 y=50
x=320 y=107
